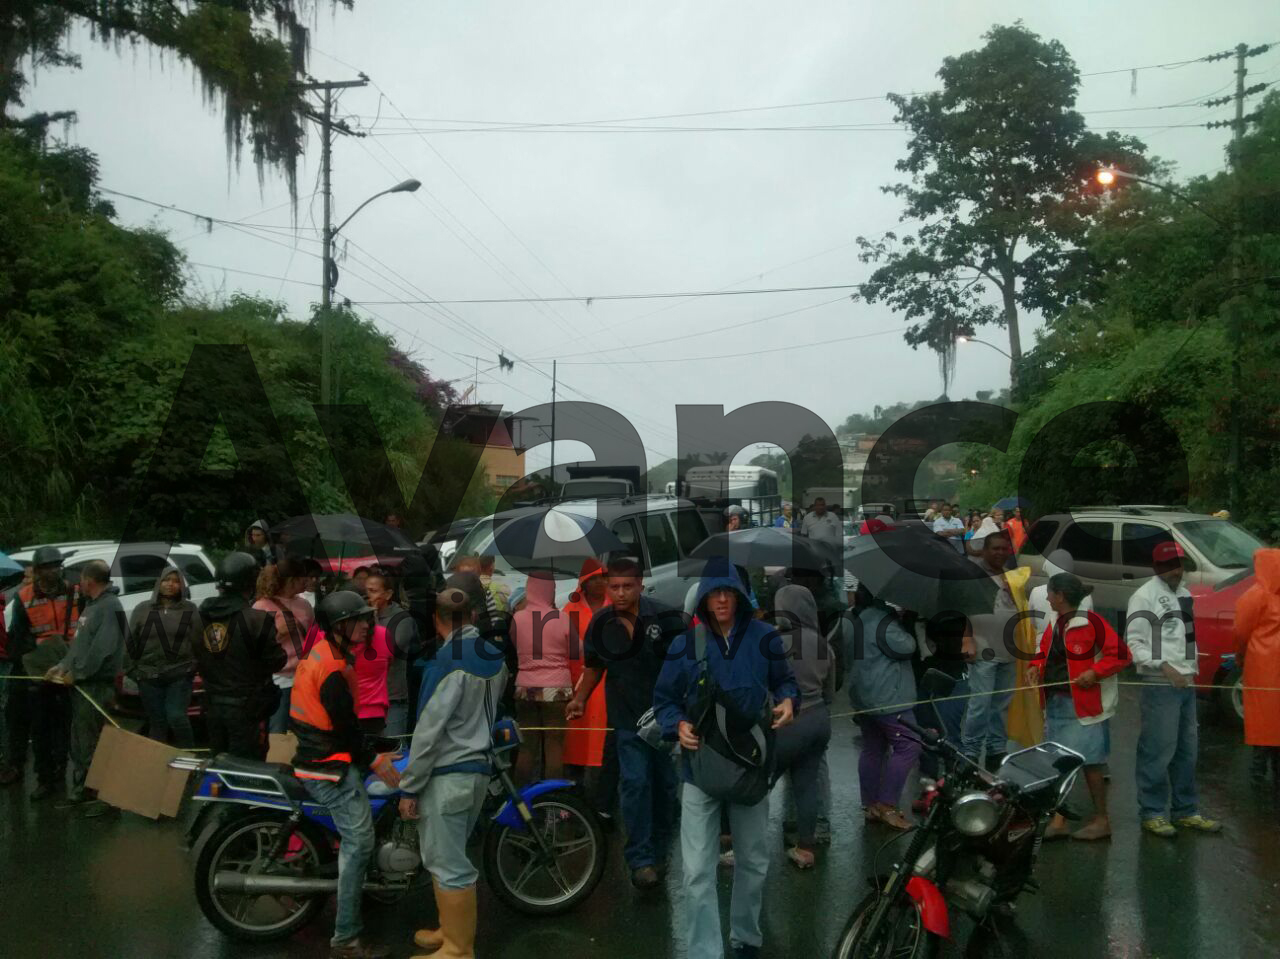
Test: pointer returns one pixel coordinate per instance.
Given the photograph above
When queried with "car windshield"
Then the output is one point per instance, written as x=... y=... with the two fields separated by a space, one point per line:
x=1223 y=543
x=480 y=542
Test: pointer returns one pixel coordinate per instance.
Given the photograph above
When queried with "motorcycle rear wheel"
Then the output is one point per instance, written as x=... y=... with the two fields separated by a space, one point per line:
x=902 y=934
x=516 y=871
x=241 y=845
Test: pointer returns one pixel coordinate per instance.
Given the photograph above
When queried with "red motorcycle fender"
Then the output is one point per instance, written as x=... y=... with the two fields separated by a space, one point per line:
x=933 y=907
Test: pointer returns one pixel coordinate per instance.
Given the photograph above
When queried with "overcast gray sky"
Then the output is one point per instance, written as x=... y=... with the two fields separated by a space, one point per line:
x=597 y=213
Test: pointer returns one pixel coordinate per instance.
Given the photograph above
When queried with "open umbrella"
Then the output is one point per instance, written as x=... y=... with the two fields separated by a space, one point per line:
x=10 y=571
x=912 y=568
x=551 y=538
x=1009 y=502
x=339 y=535
x=769 y=546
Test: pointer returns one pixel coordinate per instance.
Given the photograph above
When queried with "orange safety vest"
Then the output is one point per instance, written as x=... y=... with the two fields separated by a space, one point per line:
x=50 y=616
x=305 y=708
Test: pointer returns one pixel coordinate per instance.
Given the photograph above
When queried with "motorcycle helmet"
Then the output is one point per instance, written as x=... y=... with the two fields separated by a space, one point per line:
x=237 y=572
x=739 y=511
x=340 y=606
x=47 y=556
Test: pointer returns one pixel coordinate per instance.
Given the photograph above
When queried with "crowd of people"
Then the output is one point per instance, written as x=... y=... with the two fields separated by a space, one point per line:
x=678 y=722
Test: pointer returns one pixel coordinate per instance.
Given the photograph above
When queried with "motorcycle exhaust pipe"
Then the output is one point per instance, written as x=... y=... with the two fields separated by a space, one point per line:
x=249 y=884
x=258 y=885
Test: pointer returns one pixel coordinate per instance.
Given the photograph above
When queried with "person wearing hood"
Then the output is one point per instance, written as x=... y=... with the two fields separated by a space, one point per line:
x=883 y=683
x=746 y=664
x=1257 y=634
x=1042 y=613
x=584 y=743
x=625 y=648
x=236 y=654
x=258 y=543
x=401 y=636
x=803 y=744
x=544 y=683
x=158 y=657
x=446 y=781
x=91 y=663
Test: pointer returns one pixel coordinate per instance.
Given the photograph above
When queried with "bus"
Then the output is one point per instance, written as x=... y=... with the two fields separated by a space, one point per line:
x=753 y=487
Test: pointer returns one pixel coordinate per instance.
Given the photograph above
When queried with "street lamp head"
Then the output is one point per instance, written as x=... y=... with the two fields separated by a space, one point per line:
x=407 y=186
x=1105 y=176
x=962 y=338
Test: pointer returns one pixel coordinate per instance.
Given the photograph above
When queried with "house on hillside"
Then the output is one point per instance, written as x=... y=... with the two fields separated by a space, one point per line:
x=499 y=432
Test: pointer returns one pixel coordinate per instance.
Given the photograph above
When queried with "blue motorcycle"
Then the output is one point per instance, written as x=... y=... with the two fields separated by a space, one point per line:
x=266 y=853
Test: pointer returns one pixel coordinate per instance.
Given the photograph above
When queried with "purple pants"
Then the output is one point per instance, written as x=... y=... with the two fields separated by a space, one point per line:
x=888 y=753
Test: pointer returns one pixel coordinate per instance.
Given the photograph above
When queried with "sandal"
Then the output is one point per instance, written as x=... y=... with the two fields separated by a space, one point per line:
x=801 y=858
x=894 y=819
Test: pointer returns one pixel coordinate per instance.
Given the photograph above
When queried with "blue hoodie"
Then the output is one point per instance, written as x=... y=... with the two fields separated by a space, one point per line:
x=747 y=667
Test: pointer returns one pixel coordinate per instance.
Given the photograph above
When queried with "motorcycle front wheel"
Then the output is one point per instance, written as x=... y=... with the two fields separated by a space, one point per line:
x=242 y=845
x=901 y=935
x=549 y=883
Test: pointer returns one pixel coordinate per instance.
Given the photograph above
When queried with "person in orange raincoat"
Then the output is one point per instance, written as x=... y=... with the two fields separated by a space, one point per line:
x=584 y=742
x=1257 y=631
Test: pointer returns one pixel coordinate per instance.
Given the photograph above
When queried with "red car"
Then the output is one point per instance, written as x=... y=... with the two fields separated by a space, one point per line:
x=1215 y=608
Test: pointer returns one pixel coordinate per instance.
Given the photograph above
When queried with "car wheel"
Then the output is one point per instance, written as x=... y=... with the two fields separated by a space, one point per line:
x=1230 y=695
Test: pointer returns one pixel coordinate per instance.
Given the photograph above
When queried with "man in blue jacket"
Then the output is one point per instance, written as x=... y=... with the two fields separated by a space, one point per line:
x=746 y=662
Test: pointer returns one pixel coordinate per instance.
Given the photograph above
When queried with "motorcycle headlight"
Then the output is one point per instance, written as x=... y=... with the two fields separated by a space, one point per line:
x=975 y=814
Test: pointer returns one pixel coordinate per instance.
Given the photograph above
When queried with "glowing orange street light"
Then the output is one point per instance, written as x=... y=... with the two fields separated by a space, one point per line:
x=1105 y=176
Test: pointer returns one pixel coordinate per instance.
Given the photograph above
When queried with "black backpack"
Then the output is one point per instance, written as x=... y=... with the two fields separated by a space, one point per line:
x=736 y=759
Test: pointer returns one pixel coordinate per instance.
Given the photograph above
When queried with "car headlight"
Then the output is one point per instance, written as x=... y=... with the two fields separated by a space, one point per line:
x=975 y=814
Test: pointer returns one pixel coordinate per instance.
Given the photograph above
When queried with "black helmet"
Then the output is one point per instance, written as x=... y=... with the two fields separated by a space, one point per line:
x=47 y=556
x=343 y=605
x=237 y=572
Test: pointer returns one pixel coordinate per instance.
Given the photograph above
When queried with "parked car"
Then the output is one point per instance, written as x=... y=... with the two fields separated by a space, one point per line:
x=134 y=568
x=1111 y=548
x=661 y=530
x=1215 y=612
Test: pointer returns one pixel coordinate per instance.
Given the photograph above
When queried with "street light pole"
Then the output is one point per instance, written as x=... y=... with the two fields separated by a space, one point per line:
x=971 y=339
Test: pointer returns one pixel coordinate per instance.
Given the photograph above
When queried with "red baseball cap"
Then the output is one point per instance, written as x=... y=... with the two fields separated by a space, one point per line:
x=1167 y=552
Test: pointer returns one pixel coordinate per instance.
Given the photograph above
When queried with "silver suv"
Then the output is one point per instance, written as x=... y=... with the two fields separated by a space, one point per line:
x=1111 y=548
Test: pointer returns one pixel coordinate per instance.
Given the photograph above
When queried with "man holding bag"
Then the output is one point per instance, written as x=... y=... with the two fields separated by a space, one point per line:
x=721 y=694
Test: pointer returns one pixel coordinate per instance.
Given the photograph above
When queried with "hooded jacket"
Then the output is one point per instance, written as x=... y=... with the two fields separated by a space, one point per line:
x=748 y=666
x=1090 y=643
x=881 y=664
x=98 y=646
x=1042 y=614
x=160 y=631
x=811 y=657
x=579 y=613
x=1257 y=633
x=541 y=635
x=236 y=652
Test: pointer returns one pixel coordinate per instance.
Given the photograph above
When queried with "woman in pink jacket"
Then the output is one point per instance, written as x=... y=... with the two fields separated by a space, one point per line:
x=544 y=684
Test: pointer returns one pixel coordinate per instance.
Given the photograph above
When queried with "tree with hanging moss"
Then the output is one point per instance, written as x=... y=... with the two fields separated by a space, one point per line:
x=247 y=53
x=999 y=162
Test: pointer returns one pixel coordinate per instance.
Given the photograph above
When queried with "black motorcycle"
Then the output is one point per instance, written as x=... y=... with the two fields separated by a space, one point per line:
x=974 y=852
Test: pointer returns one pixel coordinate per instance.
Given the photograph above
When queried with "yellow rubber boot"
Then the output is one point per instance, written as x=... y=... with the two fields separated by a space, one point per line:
x=457 y=922
x=429 y=940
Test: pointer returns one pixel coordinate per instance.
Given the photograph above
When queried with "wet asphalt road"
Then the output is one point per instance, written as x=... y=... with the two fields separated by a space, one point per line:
x=122 y=887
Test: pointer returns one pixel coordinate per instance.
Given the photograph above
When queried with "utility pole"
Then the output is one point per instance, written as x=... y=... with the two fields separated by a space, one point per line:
x=553 y=423
x=328 y=126
x=1235 y=321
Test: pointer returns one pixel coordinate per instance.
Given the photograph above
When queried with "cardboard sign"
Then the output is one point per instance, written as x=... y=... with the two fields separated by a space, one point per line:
x=132 y=773
x=282 y=747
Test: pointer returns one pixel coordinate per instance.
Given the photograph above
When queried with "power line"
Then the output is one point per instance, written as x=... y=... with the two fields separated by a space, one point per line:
x=733 y=356
x=629 y=296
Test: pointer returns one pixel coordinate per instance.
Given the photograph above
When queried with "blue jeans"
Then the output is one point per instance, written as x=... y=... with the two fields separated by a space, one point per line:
x=448 y=811
x=700 y=849
x=1167 y=750
x=279 y=721
x=647 y=794
x=986 y=718
x=348 y=804
x=166 y=702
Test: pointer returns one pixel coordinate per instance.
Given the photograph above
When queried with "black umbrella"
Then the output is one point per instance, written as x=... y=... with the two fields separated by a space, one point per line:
x=553 y=539
x=339 y=535
x=912 y=568
x=769 y=546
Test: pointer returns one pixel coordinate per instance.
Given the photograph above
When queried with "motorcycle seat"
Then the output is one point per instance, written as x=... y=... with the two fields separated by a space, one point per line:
x=281 y=774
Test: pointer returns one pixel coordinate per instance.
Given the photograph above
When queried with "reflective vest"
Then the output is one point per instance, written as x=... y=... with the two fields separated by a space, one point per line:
x=48 y=616
x=308 y=718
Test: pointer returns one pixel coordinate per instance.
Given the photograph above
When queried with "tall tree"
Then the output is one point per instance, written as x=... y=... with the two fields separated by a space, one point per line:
x=247 y=54
x=999 y=163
